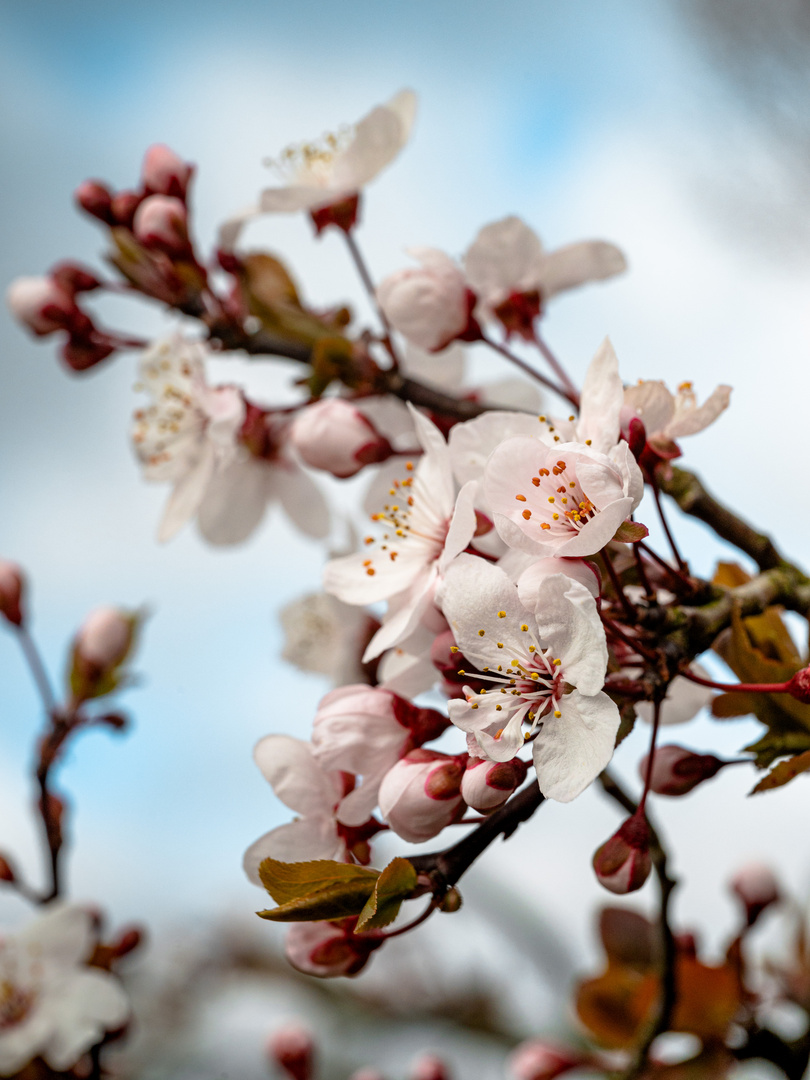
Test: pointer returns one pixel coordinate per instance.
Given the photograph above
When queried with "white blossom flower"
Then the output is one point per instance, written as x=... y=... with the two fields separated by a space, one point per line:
x=426 y=527
x=52 y=1005
x=326 y=171
x=297 y=779
x=547 y=669
x=193 y=437
x=667 y=416
x=430 y=304
x=513 y=276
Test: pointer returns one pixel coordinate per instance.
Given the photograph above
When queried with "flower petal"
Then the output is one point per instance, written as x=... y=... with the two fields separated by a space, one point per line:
x=572 y=749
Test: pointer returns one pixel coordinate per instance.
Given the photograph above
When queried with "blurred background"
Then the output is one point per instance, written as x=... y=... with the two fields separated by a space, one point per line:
x=679 y=130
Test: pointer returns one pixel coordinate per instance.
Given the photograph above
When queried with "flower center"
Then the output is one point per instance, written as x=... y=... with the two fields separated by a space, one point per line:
x=314 y=160
x=410 y=526
x=556 y=500
x=15 y=1004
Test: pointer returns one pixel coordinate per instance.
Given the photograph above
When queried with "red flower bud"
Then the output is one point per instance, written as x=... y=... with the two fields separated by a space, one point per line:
x=429 y=1067
x=676 y=770
x=335 y=436
x=292 y=1049
x=757 y=888
x=73 y=278
x=12 y=587
x=623 y=863
x=632 y=430
x=538 y=1060
x=161 y=222
x=82 y=352
x=42 y=305
x=799 y=686
x=164 y=173
x=123 y=207
x=486 y=785
x=96 y=200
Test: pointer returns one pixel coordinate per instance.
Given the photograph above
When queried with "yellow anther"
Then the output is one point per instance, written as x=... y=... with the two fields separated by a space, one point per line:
x=454 y=648
x=551 y=498
x=524 y=626
x=521 y=498
x=557 y=714
x=499 y=708
x=527 y=514
x=481 y=633
x=501 y=614
x=500 y=646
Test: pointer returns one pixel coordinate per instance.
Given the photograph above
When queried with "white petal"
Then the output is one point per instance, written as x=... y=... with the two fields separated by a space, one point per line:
x=188 y=494
x=568 y=620
x=472 y=442
x=404 y=613
x=571 y=751
x=93 y=1003
x=298 y=841
x=236 y=501
x=653 y=403
x=691 y=421
x=378 y=138
x=297 y=779
x=506 y=256
x=602 y=400
x=575 y=264
x=302 y=500
x=63 y=933
x=683 y=701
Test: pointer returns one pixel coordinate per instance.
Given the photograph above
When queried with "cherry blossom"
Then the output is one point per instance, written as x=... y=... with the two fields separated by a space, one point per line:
x=667 y=416
x=327 y=171
x=430 y=305
x=513 y=276
x=297 y=779
x=333 y=435
x=421 y=794
x=547 y=669
x=51 y=1004
x=426 y=527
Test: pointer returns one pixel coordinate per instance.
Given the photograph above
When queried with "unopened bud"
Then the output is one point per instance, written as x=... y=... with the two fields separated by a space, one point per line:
x=12 y=587
x=799 y=686
x=6 y=870
x=82 y=352
x=335 y=436
x=757 y=888
x=537 y=1060
x=632 y=430
x=127 y=941
x=161 y=221
x=451 y=901
x=292 y=1048
x=486 y=785
x=74 y=278
x=123 y=207
x=329 y=949
x=421 y=794
x=164 y=173
x=623 y=863
x=105 y=637
x=42 y=305
x=96 y=200
x=115 y=720
x=676 y=770
x=431 y=306
x=429 y=1067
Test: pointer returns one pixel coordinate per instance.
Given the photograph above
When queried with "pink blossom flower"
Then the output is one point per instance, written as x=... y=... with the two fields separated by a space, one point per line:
x=513 y=276
x=51 y=1004
x=430 y=305
x=547 y=669
x=334 y=435
x=667 y=416
x=425 y=528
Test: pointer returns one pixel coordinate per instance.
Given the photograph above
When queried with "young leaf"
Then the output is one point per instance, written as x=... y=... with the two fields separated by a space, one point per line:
x=291 y=881
x=336 y=901
x=395 y=884
x=784 y=772
x=630 y=532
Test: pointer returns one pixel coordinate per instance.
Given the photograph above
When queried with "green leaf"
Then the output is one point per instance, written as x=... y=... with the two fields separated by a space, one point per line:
x=287 y=881
x=395 y=884
x=776 y=744
x=337 y=901
x=784 y=772
x=630 y=532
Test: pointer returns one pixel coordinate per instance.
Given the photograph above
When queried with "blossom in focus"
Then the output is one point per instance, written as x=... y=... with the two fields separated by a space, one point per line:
x=623 y=863
x=430 y=305
x=335 y=168
x=297 y=779
x=513 y=277
x=52 y=1005
x=546 y=669
x=425 y=528
x=677 y=771
x=421 y=794
x=365 y=730
x=667 y=417
x=486 y=785
x=333 y=435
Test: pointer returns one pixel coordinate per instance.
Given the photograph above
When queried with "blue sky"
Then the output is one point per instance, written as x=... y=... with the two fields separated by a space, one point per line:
x=587 y=118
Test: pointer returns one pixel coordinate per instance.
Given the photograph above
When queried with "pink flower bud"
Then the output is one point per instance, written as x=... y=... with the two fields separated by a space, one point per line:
x=329 y=949
x=676 y=770
x=96 y=200
x=105 y=637
x=161 y=221
x=757 y=888
x=623 y=863
x=163 y=172
x=486 y=785
x=74 y=278
x=432 y=305
x=12 y=587
x=537 y=1060
x=123 y=207
x=82 y=352
x=42 y=305
x=421 y=794
x=335 y=436
x=429 y=1067
x=292 y=1049
x=799 y=686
